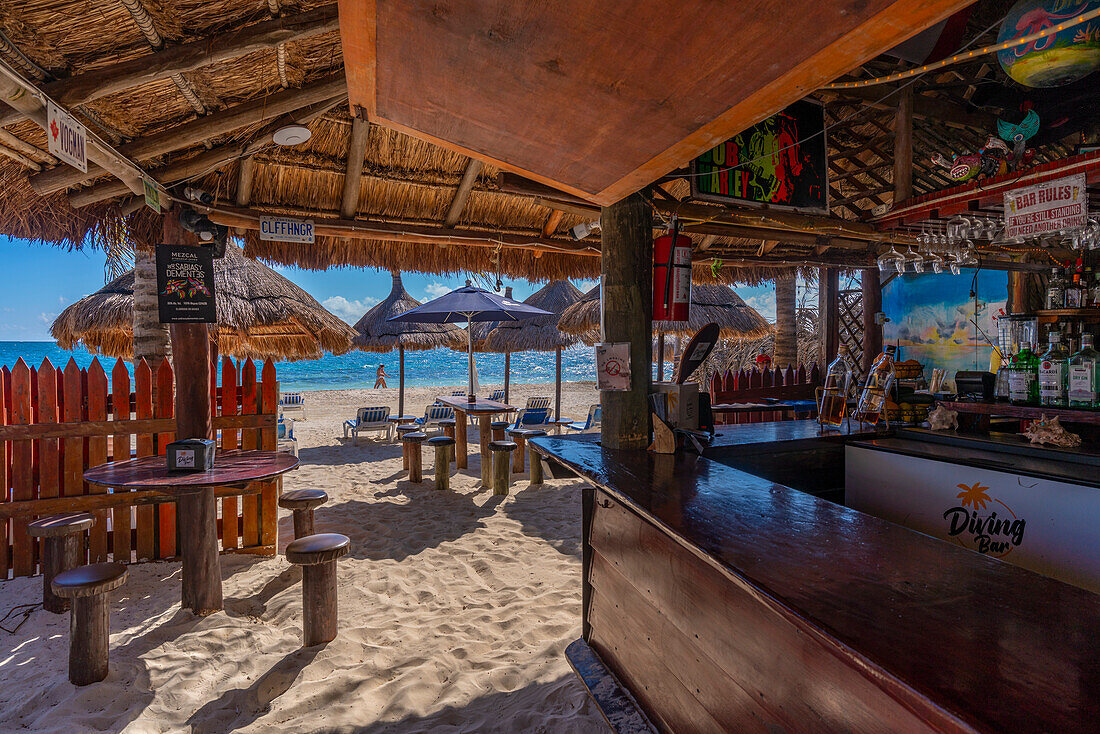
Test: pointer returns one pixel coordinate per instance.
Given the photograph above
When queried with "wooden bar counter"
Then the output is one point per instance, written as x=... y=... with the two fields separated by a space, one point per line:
x=724 y=601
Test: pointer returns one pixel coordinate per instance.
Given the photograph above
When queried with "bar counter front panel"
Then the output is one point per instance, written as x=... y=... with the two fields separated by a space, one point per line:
x=726 y=601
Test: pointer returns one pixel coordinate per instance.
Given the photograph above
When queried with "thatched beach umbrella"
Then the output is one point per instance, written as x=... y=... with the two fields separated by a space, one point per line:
x=261 y=315
x=540 y=334
x=376 y=333
x=718 y=303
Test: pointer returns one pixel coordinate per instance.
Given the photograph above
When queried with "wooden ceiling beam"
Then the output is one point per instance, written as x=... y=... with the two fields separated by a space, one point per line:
x=184 y=136
x=462 y=193
x=552 y=222
x=192 y=55
x=353 y=173
x=885 y=97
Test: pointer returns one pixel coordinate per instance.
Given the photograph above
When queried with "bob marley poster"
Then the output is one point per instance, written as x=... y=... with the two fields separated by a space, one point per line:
x=779 y=162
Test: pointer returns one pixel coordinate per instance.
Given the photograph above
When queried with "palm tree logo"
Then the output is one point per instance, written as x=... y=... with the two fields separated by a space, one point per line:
x=975 y=496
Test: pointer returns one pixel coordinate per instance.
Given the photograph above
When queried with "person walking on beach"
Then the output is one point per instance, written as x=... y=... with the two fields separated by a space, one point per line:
x=381 y=375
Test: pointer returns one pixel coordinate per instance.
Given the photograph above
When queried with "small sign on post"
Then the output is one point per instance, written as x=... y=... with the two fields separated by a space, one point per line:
x=613 y=366
x=1046 y=208
x=66 y=138
x=185 y=285
x=152 y=195
x=286 y=229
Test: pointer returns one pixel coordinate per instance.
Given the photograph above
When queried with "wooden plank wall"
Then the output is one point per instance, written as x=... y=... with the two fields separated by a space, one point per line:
x=56 y=422
x=751 y=385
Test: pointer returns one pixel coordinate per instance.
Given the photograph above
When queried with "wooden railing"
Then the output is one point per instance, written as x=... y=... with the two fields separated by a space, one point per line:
x=751 y=386
x=56 y=423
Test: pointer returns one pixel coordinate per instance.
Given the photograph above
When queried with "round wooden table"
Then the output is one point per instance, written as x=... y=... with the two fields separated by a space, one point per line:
x=194 y=492
x=484 y=410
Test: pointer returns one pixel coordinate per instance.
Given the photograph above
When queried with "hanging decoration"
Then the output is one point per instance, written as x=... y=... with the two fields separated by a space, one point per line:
x=1063 y=57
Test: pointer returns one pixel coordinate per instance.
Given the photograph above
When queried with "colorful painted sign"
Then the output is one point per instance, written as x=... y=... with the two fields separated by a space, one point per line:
x=286 y=229
x=185 y=285
x=66 y=138
x=779 y=162
x=1046 y=208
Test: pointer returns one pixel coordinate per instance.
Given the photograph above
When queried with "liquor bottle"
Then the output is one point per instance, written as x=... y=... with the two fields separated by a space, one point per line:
x=1088 y=282
x=872 y=401
x=1023 y=377
x=834 y=394
x=1084 y=376
x=1056 y=290
x=1075 y=292
x=1052 y=373
x=1094 y=294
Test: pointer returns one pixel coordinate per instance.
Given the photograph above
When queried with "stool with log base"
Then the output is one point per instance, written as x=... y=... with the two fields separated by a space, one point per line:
x=444 y=447
x=90 y=625
x=317 y=555
x=536 y=460
x=403 y=431
x=396 y=421
x=62 y=549
x=411 y=443
x=519 y=435
x=498 y=428
x=302 y=502
x=448 y=426
x=501 y=459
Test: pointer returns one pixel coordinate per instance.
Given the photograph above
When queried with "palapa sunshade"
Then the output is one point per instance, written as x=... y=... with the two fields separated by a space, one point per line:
x=539 y=334
x=376 y=333
x=261 y=315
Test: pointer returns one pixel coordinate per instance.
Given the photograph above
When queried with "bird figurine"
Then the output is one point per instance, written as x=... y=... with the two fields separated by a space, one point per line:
x=1018 y=135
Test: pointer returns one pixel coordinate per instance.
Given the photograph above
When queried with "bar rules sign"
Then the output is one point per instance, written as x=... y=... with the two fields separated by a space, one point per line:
x=185 y=285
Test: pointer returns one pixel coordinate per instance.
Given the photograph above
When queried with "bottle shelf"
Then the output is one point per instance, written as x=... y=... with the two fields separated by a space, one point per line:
x=1028 y=412
x=1051 y=315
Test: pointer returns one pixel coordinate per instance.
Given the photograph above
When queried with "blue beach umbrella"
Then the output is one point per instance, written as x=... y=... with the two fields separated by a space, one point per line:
x=470 y=304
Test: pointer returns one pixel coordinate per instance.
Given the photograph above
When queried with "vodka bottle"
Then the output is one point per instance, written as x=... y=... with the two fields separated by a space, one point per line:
x=834 y=394
x=872 y=401
x=1052 y=373
x=1056 y=290
x=1023 y=377
x=1084 y=376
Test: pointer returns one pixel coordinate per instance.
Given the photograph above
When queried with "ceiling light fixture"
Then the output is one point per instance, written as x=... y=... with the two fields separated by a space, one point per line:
x=291 y=135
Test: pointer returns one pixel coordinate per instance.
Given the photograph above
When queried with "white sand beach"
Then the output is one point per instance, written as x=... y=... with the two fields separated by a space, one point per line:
x=455 y=610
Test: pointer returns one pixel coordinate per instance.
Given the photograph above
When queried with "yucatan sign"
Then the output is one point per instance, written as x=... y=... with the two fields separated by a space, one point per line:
x=185 y=285
x=66 y=138
x=780 y=162
x=1048 y=207
x=286 y=229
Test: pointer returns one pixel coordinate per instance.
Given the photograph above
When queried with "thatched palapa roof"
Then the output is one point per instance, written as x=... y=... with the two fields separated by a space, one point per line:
x=541 y=333
x=376 y=333
x=718 y=303
x=261 y=315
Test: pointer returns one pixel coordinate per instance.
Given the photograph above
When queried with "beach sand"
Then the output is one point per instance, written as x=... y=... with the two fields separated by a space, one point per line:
x=455 y=610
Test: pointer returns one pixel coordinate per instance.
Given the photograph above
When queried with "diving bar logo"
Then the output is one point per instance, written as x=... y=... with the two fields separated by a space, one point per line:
x=971 y=527
x=66 y=138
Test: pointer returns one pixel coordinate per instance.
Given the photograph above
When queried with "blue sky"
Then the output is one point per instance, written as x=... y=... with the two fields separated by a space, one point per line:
x=41 y=280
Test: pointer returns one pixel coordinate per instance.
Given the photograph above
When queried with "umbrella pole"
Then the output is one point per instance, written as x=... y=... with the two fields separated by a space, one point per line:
x=557 y=386
x=401 y=379
x=660 y=356
x=470 y=333
x=507 y=369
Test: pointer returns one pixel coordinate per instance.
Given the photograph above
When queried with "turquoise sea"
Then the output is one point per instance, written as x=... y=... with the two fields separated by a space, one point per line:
x=436 y=367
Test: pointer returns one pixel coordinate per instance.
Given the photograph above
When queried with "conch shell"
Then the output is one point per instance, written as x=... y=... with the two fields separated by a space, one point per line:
x=1051 y=432
x=943 y=418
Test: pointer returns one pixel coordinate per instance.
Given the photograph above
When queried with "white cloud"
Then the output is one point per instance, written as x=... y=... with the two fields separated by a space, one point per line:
x=350 y=311
x=764 y=304
x=47 y=318
x=435 y=290
x=586 y=285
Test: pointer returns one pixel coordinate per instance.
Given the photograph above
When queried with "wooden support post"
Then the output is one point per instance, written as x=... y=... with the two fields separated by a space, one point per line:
x=903 y=146
x=872 y=304
x=507 y=376
x=62 y=552
x=444 y=447
x=660 y=356
x=502 y=461
x=484 y=438
x=828 y=306
x=462 y=448
x=557 y=383
x=353 y=175
x=319 y=603
x=89 y=632
x=202 y=582
x=401 y=379
x=536 y=469
x=519 y=463
x=626 y=316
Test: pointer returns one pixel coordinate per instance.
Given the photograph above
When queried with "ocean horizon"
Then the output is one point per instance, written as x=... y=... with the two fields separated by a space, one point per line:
x=356 y=369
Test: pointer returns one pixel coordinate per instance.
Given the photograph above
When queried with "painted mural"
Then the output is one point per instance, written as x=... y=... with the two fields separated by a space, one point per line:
x=932 y=318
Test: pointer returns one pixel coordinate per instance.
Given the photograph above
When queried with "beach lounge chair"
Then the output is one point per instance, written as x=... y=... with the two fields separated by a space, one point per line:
x=497 y=395
x=593 y=422
x=433 y=414
x=368 y=419
x=295 y=401
x=284 y=437
x=536 y=414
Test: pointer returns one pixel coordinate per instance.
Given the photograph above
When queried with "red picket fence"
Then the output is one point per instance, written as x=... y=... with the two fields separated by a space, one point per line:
x=751 y=386
x=57 y=423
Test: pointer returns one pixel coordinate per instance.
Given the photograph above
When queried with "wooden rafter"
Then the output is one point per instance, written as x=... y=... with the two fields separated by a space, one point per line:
x=353 y=174
x=462 y=193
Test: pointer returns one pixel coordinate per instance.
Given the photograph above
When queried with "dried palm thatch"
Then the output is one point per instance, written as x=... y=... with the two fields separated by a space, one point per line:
x=261 y=315
x=376 y=333
x=718 y=303
x=540 y=334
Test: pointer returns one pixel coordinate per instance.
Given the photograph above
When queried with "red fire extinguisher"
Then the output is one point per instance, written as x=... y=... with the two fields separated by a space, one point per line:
x=672 y=275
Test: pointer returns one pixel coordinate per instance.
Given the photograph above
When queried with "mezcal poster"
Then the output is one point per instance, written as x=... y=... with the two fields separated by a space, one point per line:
x=185 y=285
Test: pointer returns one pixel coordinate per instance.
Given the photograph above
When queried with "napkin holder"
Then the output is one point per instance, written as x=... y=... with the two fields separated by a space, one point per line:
x=190 y=455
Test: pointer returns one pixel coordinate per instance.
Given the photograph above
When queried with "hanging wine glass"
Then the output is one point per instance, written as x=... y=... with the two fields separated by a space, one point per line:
x=969 y=257
x=953 y=264
x=887 y=259
x=914 y=260
x=936 y=261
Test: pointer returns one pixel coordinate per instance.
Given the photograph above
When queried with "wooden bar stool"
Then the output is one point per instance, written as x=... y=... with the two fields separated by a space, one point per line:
x=317 y=555
x=498 y=428
x=90 y=627
x=519 y=458
x=62 y=549
x=536 y=460
x=443 y=449
x=501 y=459
x=411 y=443
x=403 y=431
x=448 y=426
x=302 y=502
x=396 y=421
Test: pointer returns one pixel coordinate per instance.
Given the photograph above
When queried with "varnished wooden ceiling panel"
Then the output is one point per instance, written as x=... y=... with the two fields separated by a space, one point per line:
x=599 y=98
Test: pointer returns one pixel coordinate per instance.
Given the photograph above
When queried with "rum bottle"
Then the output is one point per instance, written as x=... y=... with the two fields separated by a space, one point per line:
x=872 y=401
x=1084 y=376
x=834 y=394
x=1023 y=377
x=1052 y=373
